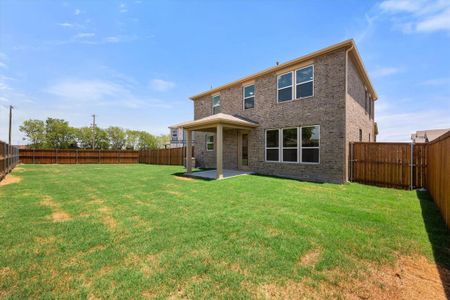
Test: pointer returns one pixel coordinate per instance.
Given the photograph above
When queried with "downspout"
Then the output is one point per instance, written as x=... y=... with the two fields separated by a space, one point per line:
x=346 y=158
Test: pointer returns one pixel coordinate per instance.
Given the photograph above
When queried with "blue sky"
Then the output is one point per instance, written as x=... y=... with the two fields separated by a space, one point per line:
x=135 y=63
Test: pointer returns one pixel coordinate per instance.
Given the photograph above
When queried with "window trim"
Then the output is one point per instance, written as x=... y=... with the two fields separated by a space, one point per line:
x=271 y=148
x=312 y=80
x=209 y=143
x=294 y=84
x=291 y=86
x=212 y=102
x=244 y=98
x=301 y=147
x=287 y=148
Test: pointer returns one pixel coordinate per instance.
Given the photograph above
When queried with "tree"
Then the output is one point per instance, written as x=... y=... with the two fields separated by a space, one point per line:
x=84 y=138
x=163 y=140
x=59 y=135
x=147 y=141
x=117 y=137
x=132 y=142
x=34 y=131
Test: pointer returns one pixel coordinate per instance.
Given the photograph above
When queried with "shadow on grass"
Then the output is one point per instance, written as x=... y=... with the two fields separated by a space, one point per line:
x=287 y=178
x=439 y=236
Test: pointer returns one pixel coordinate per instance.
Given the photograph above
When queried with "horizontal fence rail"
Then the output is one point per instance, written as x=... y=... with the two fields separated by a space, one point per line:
x=78 y=156
x=170 y=156
x=398 y=165
x=438 y=174
x=9 y=157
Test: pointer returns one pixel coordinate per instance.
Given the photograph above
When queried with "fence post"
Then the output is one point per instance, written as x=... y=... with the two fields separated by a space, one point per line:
x=98 y=156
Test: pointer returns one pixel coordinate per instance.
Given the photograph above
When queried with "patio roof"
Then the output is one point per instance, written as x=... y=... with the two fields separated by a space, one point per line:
x=211 y=122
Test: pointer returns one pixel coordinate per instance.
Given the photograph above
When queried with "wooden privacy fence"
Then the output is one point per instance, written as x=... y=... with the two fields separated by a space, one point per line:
x=438 y=174
x=78 y=156
x=171 y=156
x=399 y=165
x=9 y=157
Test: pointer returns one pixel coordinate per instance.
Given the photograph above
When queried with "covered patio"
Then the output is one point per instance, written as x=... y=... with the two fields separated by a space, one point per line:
x=216 y=124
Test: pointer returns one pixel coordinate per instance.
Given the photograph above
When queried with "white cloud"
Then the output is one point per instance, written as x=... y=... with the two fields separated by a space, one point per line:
x=101 y=93
x=3 y=59
x=401 y=5
x=440 y=21
x=123 y=8
x=418 y=15
x=161 y=85
x=66 y=24
x=77 y=12
x=84 y=35
x=112 y=39
x=437 y=81
x=397 y=118
x=385 y=71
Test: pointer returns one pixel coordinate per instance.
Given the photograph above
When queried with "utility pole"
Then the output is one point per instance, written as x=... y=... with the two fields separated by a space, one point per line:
x=93 y=131
x=10 y=123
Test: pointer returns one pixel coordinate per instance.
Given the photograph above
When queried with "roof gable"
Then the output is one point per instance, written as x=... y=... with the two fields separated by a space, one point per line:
x=348 y=44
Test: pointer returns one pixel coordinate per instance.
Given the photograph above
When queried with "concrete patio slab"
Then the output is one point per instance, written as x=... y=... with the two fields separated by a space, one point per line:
x=211 y=174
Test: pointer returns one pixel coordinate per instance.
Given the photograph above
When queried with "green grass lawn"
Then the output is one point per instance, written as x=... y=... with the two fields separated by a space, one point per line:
x=71 y=231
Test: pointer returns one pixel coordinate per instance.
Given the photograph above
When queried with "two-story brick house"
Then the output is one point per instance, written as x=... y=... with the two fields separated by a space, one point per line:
x=295 y=119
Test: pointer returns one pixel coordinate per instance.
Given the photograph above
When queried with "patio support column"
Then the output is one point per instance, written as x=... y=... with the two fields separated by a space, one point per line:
x=188 y=151
x=219 y=154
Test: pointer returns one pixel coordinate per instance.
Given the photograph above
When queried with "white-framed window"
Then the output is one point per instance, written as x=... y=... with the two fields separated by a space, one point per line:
x=310 y=147
x=304 y=82
x=174 y=134
x=249 y=96
x=209 y=142
x=293 y=145
x=272 y=145
x=290 y=144
x=284 y=87
x=302 y=79
x=215 y=104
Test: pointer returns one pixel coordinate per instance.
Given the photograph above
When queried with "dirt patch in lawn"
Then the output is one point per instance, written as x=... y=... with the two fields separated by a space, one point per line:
x=175 y=193
x=58 y=214
x=310 y=258
x=10 y=179
x=107 y=217
x=408 y=278
x=182 y=178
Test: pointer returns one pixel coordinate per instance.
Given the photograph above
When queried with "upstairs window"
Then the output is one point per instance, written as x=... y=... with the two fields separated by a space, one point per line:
x=249 y=96
x=310 y=144
x=174 y=134
x=304 y=82
x=209 y=142
x=215 y=104
x=272 y=145
x=284 y=87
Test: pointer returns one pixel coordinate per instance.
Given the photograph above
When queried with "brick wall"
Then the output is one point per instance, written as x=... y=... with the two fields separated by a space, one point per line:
x=357 y=117
x=326 y=108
